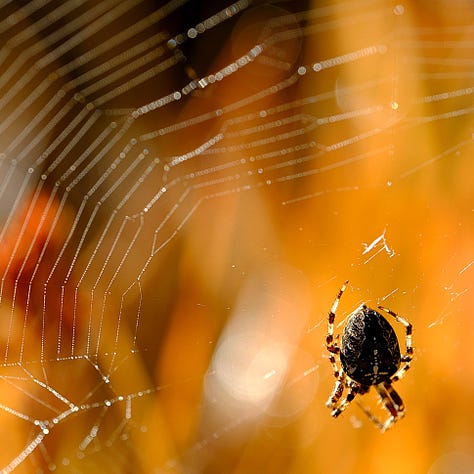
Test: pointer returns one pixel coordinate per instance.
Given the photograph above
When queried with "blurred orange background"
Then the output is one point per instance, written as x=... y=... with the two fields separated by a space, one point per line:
x=210 y=354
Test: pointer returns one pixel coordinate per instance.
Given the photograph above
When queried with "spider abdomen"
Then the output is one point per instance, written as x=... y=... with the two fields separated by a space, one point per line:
x=370 y=353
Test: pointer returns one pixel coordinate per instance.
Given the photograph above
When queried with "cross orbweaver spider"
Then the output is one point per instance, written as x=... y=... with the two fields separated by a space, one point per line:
x=369 y=354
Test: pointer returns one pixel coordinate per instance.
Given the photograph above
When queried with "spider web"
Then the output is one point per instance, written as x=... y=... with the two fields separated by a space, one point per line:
x=178 y=180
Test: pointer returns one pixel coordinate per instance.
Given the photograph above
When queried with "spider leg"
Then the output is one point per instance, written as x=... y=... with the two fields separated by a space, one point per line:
x=336 y=393
x=371 y=417
x=353 y=389
x=407 y=357
x=333 y=350
x=392 y=402
x=397 y=400
x=331 y=346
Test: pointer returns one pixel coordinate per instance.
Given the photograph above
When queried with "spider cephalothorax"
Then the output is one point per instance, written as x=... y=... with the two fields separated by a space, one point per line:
x=369 y=354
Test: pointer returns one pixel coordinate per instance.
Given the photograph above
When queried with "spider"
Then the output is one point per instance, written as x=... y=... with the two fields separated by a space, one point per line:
x=369 y=354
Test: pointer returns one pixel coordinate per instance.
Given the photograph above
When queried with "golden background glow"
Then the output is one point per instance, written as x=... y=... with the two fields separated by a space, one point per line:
x=185 y=333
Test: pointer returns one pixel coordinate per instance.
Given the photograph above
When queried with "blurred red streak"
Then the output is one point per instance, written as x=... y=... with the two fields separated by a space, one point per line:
x=28 y=253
